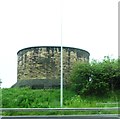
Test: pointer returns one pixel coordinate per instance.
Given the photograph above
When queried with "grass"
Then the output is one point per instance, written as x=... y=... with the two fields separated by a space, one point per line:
x=50 y=98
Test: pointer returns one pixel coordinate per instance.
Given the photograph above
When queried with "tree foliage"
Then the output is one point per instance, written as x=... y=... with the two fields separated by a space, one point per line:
x=97 y=78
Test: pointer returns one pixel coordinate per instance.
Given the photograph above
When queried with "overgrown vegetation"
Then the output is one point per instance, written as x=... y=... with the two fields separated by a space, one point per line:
x=94 y=84
x=96 y=78
x=50 y=98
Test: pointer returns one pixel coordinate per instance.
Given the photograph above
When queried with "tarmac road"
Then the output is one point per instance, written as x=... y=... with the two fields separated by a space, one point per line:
x=65 y=117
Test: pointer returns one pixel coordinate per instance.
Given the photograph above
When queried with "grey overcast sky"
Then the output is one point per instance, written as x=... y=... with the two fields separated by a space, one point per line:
x=91 y=25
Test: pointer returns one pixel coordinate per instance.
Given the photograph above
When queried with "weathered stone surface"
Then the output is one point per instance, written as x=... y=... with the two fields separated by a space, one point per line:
x=44 y=63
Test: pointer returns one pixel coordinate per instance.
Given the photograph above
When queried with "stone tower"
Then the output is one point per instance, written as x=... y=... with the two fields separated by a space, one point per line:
x=39 y=67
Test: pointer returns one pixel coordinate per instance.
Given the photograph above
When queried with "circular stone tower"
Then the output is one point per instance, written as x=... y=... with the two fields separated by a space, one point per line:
x=39 y=67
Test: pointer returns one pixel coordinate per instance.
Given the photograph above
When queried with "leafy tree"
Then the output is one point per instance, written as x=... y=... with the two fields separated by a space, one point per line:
x=97 y=78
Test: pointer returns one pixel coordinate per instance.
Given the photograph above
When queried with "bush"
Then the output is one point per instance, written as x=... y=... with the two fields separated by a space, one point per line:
x=95 y=78
x=80 y=76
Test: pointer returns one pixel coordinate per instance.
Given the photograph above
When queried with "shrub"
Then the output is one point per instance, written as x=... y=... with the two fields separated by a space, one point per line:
x=96 y=78
x=80 y=76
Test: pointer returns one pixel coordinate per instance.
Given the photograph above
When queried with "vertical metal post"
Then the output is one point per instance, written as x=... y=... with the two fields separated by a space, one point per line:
x=118 y=96
x=61 y=84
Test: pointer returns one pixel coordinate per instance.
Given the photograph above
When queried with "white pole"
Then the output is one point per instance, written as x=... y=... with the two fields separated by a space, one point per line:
x=61 y=84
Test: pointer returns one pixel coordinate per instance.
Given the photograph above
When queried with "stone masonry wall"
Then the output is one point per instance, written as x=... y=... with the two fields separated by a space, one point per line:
x=44 y=62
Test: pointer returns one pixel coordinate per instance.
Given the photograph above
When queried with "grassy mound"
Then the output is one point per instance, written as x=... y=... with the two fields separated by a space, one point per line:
x=50 y=98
